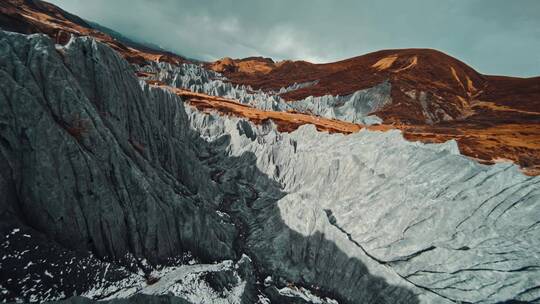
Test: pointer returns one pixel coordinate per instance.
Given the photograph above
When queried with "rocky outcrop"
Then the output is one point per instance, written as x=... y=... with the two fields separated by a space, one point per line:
x=198 y=79
x=106 y=171
x=95 y=162
x=355 y=107
x=98 y=162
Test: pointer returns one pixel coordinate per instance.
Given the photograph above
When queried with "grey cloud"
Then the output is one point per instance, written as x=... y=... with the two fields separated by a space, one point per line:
x=493 y=36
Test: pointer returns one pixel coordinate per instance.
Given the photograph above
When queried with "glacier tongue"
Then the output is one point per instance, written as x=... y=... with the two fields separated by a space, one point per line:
x=416 y=214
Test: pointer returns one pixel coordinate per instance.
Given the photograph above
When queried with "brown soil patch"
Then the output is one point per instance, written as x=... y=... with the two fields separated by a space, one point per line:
x=385 y=63
x=285 y=121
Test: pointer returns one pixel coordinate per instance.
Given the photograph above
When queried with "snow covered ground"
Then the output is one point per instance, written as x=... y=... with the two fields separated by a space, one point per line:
x=190 y=282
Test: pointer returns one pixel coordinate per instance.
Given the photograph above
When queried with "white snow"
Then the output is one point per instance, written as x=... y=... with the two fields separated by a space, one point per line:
x=184 y=281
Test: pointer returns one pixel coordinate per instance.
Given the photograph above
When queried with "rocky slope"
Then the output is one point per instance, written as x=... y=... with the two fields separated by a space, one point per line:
x=96 y=162
x=431 y=96
x=169 y=183
x=105 y=187
x=427 y=94
x=442 y=223
x=111 y=186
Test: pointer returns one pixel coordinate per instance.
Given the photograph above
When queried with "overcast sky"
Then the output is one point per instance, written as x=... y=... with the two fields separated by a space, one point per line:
x=493 y=36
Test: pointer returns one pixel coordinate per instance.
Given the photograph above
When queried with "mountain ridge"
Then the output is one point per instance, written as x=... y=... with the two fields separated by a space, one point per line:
x=433 y=97
x=34 y=16
x=126 y=171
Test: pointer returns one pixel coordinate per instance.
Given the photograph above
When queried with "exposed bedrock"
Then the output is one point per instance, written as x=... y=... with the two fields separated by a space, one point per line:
x=355 y=107
x=102 y=167
x=198 y=79
x=290 y=258
x=97 y=163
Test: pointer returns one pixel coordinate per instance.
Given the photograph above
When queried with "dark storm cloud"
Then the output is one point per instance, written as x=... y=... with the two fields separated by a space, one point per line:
x=494 y=36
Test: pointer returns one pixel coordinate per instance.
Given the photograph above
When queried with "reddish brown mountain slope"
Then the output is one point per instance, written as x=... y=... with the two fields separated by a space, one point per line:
x=355 y=73
x=29 y=16
x=434 y=98
x=444 y=79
